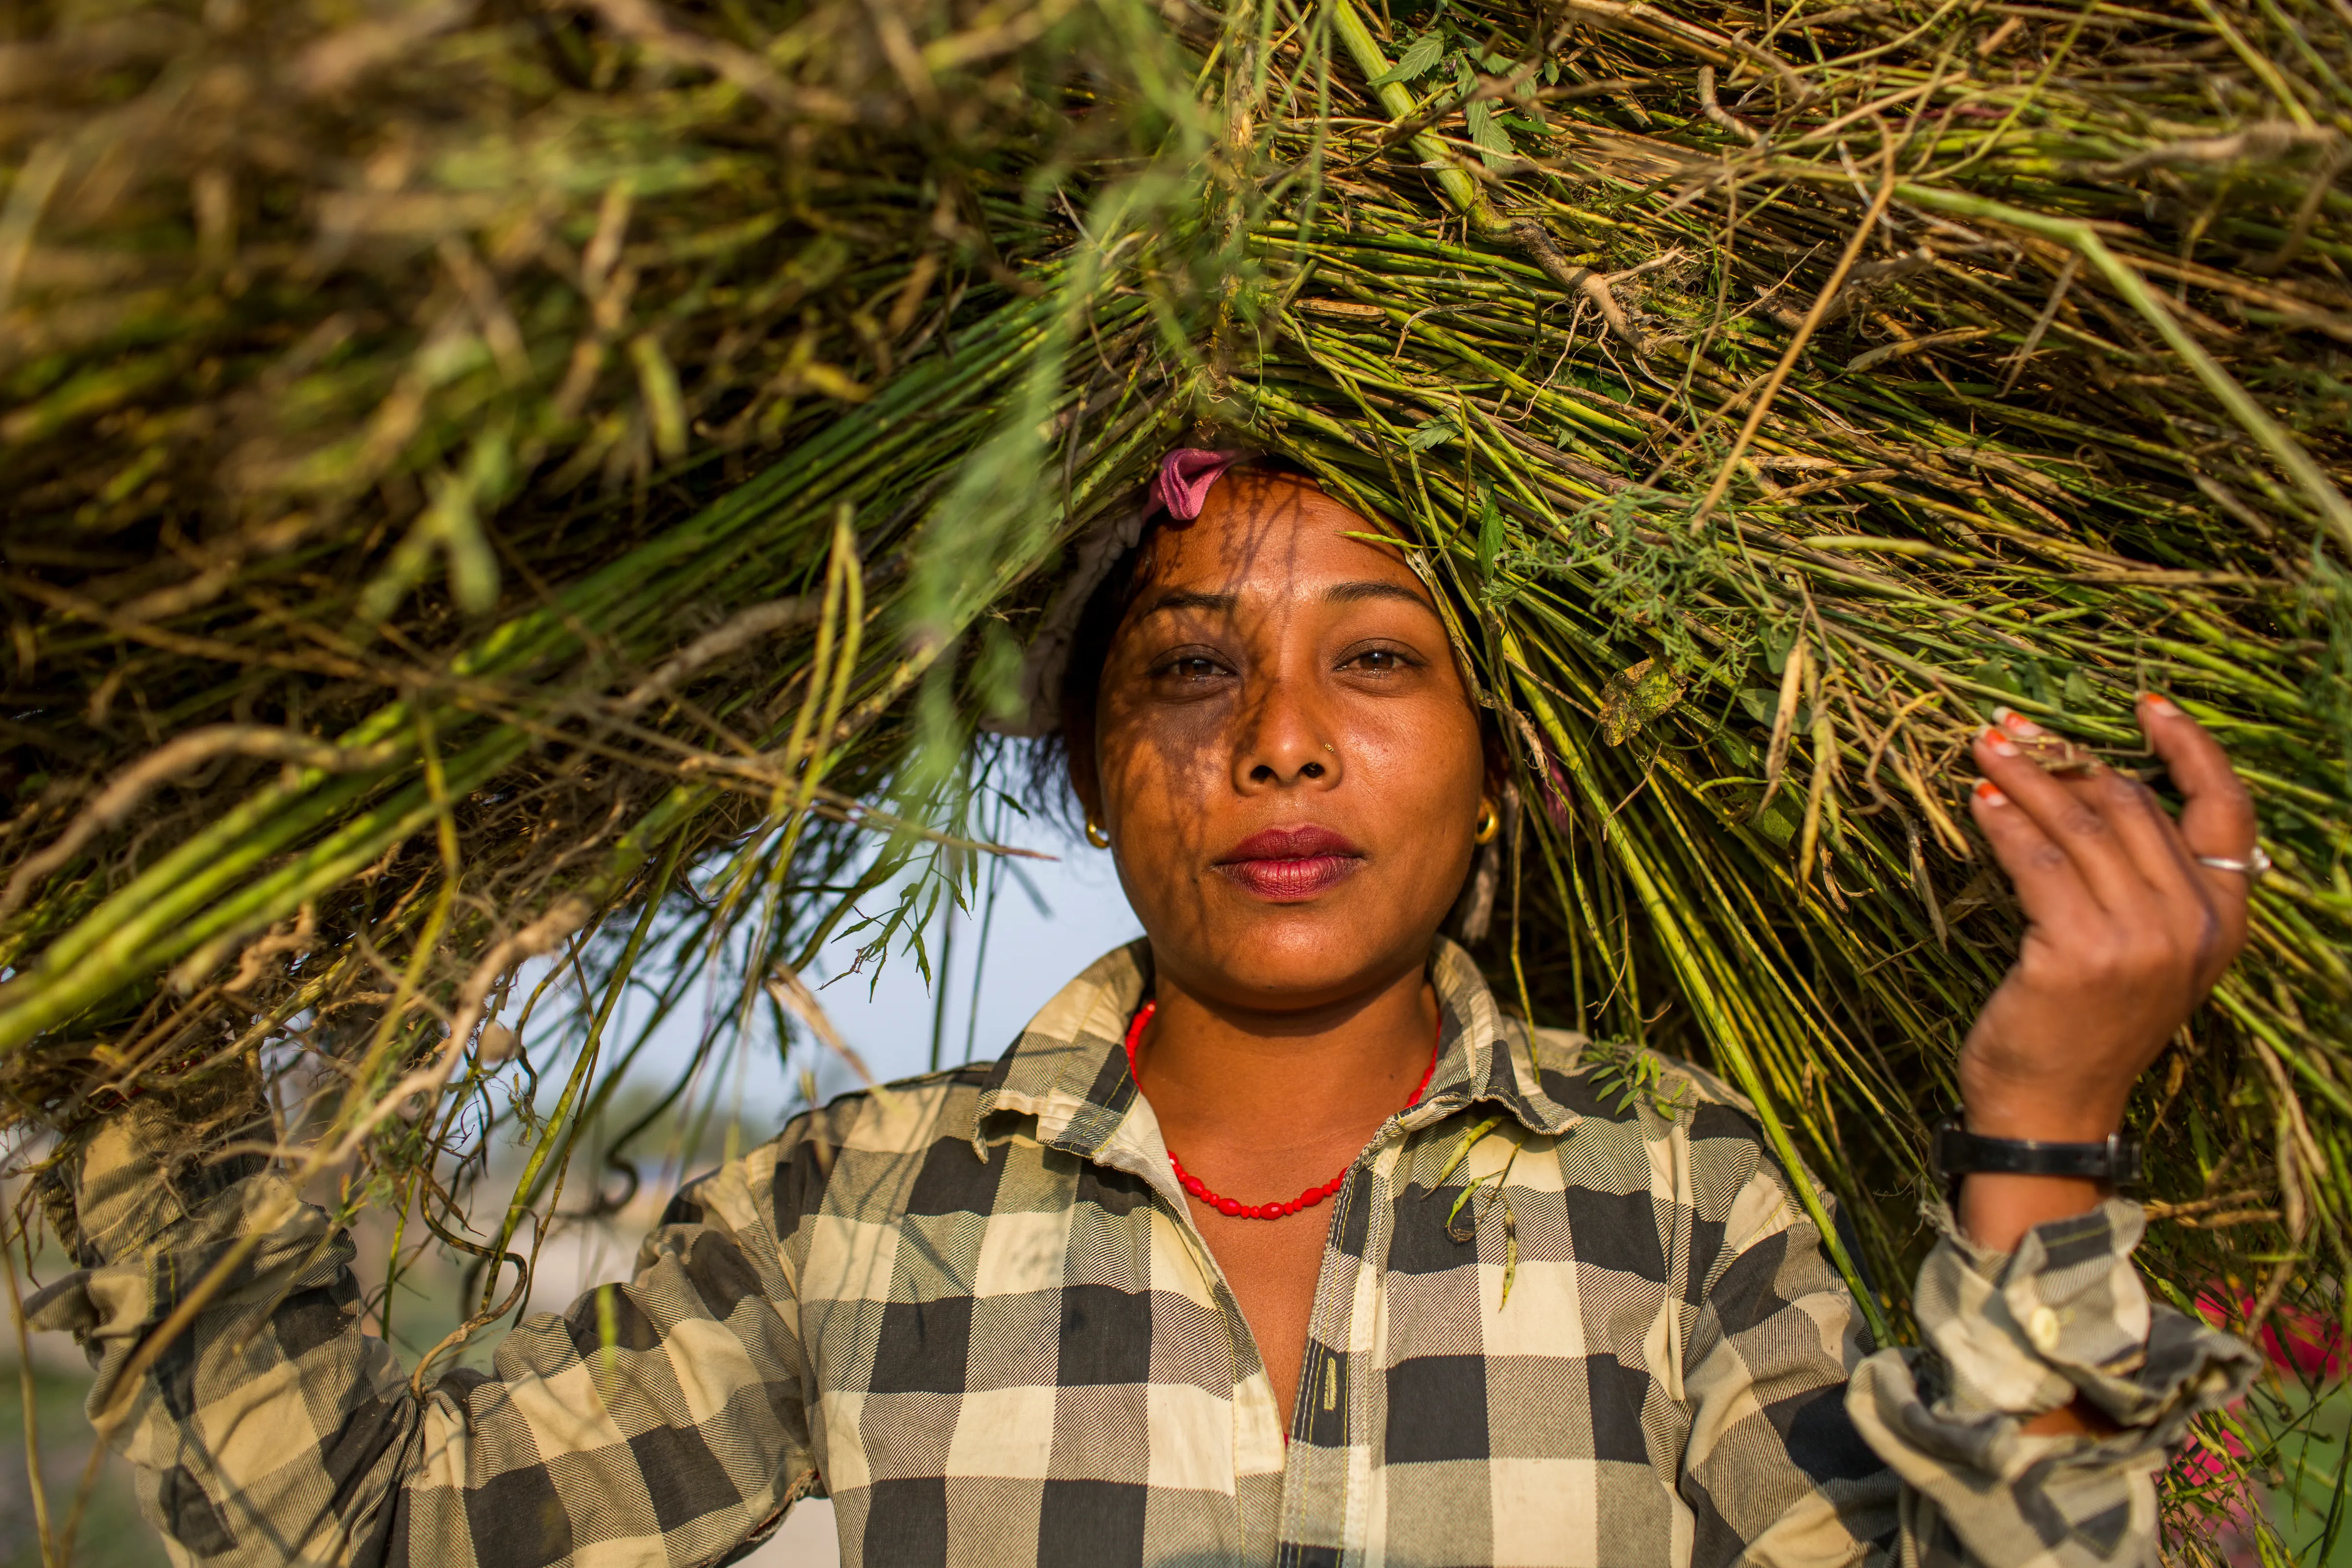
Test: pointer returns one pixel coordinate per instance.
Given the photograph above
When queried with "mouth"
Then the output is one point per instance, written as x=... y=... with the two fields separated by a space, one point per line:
x=1288 y=865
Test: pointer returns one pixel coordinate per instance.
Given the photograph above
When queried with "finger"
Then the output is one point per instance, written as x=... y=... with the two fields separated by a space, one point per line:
x=2214 y=912
x=2049 y=884
x=2203 y=926
x=2072 y=820
x=2147 y=835
x=2208 y=921
x=2153 y=841
x=2218 y=817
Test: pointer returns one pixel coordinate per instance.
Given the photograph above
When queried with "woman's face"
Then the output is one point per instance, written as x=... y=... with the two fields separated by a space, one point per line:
x=1285 y=755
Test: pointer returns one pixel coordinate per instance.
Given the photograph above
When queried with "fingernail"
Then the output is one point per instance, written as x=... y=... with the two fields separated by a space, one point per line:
x=1989 y=795
x=2016 y=724
x=2158 y=704
x=1999 y=744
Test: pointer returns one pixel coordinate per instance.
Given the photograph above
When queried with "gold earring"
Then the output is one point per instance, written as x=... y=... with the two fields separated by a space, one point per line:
x=1490 y=822
x=1095 y=836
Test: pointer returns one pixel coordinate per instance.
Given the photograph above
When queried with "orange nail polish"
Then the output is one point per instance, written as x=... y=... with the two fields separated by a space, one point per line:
x=2158 y=703
x=2016 y=724
x=1989 y=795
x=1999 y=744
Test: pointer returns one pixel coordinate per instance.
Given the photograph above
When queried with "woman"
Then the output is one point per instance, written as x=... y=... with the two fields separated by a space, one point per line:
x=1181 y=1277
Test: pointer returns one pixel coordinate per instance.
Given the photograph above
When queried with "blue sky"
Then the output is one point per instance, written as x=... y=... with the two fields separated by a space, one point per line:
x=1071 y=912
x=1033 y=946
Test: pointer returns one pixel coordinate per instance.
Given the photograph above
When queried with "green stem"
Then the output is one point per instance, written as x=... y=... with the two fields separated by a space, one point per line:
x=2335 y=512
x=1365 y=50
x=527 y=1186
x=1723 y=1031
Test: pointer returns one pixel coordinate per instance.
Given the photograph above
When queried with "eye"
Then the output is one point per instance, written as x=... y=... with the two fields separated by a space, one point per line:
x=1190 y=669
x=1378 y=661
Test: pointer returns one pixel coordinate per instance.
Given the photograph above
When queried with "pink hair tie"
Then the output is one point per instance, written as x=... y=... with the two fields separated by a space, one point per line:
x=1185 y=475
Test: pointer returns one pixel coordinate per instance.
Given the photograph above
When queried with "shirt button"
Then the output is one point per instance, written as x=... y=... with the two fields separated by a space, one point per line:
x=2043 y=1329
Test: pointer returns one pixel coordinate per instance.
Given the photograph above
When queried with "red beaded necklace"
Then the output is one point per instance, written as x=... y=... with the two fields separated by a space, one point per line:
x=1232 y=1206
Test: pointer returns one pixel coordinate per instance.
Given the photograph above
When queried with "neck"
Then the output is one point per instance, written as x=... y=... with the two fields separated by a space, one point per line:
x=1277 y=1078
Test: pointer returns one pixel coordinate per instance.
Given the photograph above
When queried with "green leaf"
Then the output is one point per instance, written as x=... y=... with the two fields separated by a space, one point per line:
x=1419 y=55
x=1997 y=673
x=1462 y=1150
x=1494 y=143
x=1469 y=1190
x=996 y=675
x=1436 y=433
x=1490 y=536
x=1761 y=705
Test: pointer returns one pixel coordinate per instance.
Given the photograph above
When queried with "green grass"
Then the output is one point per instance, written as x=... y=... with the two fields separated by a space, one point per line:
x=2317 y=1459
x=113 y=1533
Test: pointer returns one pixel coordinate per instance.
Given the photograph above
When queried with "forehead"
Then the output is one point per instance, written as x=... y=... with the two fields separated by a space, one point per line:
x=1273 y=536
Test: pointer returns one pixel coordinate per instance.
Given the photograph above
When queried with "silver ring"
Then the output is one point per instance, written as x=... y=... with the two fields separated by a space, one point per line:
x=2253 y=865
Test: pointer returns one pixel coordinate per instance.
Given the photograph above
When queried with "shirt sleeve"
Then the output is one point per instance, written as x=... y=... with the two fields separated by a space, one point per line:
x=665 y=1420
x=1772 y=1470
x=2065 y=1316
x=1807 y=1448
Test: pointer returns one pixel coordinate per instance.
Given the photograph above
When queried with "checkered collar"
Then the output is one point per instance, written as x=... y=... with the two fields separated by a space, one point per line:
x=1069 y=1069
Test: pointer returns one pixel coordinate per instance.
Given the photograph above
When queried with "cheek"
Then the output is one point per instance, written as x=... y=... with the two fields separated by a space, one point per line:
x=1167 y=799
x=1159 y=765
x=1427 y=771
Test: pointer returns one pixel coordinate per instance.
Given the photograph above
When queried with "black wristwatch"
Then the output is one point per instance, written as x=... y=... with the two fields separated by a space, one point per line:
x=1957 y=1153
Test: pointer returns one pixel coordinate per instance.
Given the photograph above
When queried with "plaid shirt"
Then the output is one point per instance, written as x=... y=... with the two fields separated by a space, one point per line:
x=972 y=1310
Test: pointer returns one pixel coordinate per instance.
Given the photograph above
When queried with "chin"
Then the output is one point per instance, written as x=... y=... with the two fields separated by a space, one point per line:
x=1306 y=954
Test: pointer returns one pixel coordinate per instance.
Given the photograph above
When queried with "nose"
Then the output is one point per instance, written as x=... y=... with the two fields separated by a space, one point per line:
x=1284 y=741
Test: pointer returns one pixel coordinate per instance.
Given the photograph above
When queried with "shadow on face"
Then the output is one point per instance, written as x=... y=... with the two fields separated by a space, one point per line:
x=1284 y=753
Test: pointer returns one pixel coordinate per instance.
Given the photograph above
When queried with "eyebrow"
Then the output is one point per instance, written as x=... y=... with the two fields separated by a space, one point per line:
x=1354 y=593
x=1358 y=592
x=1189 y=599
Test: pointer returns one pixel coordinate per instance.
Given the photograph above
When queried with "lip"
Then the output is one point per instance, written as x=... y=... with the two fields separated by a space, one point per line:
x=1288 y=865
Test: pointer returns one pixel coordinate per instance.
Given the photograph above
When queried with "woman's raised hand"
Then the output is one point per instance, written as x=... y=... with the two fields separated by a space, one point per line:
x=2125 y=933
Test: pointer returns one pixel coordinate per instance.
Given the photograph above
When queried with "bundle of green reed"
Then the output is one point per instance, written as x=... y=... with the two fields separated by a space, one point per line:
x=611 y=509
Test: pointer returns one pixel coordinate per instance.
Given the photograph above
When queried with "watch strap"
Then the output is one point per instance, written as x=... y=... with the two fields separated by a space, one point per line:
x=1956 y=1152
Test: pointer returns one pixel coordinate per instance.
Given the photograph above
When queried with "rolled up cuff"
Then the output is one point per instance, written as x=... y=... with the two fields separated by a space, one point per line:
x=2066 y=1316
x=249 y=1245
